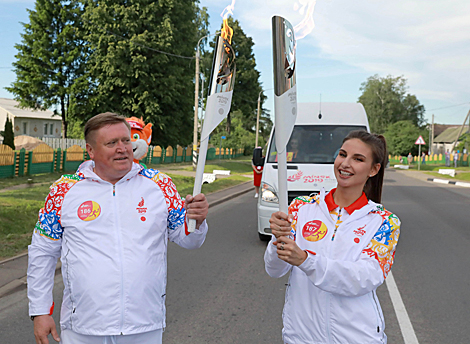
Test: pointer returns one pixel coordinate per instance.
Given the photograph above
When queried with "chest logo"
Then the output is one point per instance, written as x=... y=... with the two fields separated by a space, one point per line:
x=314 y=230
x=88 y=211
x=141 y=209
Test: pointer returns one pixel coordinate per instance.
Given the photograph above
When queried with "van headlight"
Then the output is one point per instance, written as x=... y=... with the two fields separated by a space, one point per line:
x=268 y=194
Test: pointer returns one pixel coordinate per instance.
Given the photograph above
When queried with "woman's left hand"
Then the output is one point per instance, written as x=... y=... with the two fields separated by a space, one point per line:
x=288 y=251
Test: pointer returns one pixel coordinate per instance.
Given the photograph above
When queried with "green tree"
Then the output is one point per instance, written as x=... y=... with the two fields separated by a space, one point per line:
x=239 y=137
x=401 y=137
x=141 y=62
x=386 y=101
x=464 y=142
x=8 y=135
x=49 y=66
x=247 y=85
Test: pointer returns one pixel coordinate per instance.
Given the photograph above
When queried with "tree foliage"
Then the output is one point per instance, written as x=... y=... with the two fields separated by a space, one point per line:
x=50 y=63
x=247 y=86
x=401 y=137
x=131 y=74
x=8 y=135
x=386 y=101
x=238 y=137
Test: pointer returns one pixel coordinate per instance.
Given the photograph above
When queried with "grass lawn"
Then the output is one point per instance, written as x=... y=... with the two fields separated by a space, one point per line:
x=427 y=167
x=462 y=176
x=19 y=208
x=234 y=166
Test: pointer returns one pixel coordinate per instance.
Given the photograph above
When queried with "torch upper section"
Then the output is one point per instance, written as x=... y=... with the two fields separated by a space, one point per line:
x=284 y=48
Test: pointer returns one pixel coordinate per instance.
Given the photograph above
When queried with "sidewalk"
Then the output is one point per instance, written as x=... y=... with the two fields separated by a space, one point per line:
x=13 y=270
x=428 y=178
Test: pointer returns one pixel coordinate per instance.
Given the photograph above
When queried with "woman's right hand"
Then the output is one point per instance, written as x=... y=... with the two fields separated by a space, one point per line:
x=280 y=224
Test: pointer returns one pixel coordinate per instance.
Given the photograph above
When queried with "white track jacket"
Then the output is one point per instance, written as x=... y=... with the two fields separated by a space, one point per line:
x=112 y=241
x=330 y=297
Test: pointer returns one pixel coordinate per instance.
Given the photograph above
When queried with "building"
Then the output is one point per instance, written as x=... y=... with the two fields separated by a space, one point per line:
x=37 y=123
x=444 y=140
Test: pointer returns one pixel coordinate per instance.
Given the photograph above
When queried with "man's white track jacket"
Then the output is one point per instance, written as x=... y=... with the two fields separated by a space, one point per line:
x=330 y=297
x=112 y=240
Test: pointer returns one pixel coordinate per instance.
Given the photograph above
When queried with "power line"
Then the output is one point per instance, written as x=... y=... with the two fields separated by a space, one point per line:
x=447 y=107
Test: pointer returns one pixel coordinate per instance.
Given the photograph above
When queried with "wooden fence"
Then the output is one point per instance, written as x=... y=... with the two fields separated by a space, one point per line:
x=435 y=159
x=44 y=159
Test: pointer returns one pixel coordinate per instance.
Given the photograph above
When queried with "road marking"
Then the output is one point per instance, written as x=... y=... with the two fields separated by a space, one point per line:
x=409 y=335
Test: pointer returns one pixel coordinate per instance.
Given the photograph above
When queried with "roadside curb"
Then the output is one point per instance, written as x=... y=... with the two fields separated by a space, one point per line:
x=214 y=199
x=446 y=181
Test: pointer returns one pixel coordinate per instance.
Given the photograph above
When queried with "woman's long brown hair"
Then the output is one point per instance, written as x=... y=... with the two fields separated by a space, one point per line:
x=378 y=145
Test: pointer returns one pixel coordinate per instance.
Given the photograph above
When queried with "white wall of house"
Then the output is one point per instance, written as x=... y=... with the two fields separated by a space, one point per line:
x=37 y=127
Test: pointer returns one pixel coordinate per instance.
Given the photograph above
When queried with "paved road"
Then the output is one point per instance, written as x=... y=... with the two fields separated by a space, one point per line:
x=221 y=294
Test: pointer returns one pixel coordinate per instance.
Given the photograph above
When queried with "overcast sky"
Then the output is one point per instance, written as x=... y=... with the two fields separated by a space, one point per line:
x=428 y=42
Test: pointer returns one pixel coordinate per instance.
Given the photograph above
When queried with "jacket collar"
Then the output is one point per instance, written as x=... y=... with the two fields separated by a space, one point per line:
x=357 y=204
x=86 y=170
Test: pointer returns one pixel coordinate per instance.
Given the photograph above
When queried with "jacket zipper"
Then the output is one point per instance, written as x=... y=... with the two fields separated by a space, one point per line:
x=374 y=297
x=328 y=316
x=120 y=256
x=69 y=285
x=336 y=225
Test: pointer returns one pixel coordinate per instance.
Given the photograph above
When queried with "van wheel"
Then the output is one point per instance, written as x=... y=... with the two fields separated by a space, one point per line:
x=264 y=237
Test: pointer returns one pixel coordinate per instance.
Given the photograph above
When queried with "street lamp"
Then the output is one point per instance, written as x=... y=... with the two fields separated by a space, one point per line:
x=196 y=101
x=257 y=116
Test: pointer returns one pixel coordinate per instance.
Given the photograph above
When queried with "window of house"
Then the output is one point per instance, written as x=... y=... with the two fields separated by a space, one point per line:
x=25 y=127
x=45 y=129
x=51 y=129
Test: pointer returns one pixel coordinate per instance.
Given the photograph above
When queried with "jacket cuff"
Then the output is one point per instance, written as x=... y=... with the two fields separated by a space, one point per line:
x=308 y=266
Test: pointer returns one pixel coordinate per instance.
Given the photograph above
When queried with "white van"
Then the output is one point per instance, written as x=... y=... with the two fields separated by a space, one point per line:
x=317 y=136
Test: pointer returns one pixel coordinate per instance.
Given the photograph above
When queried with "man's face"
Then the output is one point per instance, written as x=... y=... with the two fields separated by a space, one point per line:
x=111 y=149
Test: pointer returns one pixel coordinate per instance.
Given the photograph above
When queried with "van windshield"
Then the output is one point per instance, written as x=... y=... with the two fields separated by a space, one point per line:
x=317 y=144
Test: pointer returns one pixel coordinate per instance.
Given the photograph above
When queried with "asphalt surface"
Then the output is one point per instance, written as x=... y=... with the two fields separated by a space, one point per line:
x=221 y=294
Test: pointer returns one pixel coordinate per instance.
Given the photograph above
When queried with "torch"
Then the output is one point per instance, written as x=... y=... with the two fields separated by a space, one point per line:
x=285 y=97
x=218 y=101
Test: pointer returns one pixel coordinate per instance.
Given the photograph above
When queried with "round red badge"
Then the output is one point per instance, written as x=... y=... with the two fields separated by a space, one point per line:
x=314 y=230
x=88 y=211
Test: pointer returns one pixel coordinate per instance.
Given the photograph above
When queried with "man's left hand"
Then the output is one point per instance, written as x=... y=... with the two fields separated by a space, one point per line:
x=197 y=208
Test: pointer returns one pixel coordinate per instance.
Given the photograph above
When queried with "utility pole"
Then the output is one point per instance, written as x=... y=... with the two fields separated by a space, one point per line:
x=432 y=136
x=460 y=131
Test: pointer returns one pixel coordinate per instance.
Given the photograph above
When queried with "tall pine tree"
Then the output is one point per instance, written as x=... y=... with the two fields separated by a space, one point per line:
x=138 y=63
x=8 y=135
x=50 y=63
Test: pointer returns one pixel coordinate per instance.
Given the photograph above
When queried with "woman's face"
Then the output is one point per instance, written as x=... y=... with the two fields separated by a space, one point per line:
x=354 y=164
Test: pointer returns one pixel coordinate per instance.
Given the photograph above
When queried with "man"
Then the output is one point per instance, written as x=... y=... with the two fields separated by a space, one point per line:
x=109 y=223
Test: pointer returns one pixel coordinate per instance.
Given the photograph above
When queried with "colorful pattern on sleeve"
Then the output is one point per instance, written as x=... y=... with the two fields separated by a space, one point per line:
x=49 y=224
x=383 y=244
x=175 y=205
x=294 y=207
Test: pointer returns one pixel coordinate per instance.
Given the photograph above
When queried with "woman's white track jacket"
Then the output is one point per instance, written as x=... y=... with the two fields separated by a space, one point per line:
x=112 y=241
x=330 y=297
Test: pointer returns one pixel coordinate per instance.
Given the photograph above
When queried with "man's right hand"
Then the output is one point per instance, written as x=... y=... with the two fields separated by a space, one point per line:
x=43 y=325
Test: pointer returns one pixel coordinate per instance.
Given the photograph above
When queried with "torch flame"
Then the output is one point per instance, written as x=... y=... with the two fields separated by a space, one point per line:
x=227 y=31
x=307 y=24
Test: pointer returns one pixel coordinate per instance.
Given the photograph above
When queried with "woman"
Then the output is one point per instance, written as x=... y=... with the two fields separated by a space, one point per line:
x=339 y=247
x=257 y=164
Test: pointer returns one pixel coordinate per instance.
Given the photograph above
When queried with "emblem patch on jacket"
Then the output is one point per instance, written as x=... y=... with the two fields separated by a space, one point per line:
x=314 y=230
x=141 y=209
x=88 y=211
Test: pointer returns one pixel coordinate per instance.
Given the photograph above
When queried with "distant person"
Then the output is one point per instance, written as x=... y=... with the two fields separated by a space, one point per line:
x=338 y=248
x=410 y=158
x=293 y=147
x=424 y=158
x=447 y=158
x=257 y=163
x=456 y=158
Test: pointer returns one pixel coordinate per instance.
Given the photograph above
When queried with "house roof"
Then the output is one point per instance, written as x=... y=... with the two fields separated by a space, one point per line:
x=11 y=106
x=440 y=128
x=449 y=135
